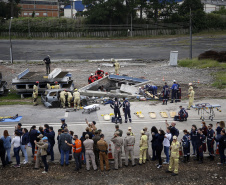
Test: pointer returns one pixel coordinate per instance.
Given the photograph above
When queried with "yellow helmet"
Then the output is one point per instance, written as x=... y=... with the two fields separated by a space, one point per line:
x=76 y=90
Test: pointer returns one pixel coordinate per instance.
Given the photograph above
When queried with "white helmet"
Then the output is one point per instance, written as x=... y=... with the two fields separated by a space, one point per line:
x=98 y=69
x=91 y=74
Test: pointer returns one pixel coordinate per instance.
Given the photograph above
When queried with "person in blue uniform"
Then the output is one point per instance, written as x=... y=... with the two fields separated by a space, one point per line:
x=222 y=145
x=174 y=91
x=201 y=139
x=194 y=135
x=186 y=145
x=64 y=125
x=166 y=93
x=116 y=105
x=126 y=109
x=210 y=141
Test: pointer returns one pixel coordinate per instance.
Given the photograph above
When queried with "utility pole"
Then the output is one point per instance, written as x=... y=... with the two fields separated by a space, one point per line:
x=190 y=34
x=10 y=48
x=131 y=25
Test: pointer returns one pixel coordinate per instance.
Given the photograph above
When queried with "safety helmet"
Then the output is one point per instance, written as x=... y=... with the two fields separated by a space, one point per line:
x=91 y=74
x=56 y=82
x=190 y=84
x=76 y=90
x=37 y=82
x=98 y=68
x=174 y=81
x=106 y=73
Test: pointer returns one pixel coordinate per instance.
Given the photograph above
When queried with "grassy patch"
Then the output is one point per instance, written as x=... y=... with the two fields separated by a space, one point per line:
x=201 y=63
x=220 y=80
x=15 y=103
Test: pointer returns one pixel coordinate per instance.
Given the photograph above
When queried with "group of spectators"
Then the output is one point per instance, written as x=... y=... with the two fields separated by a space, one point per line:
x=91 y=146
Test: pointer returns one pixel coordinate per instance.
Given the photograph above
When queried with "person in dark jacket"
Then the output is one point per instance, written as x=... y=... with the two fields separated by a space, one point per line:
x=194 y=135
x=126 y=109
x=186 y=145
x=204 y=128
x=116 y=105
x=33 y=137
x=154 y=133
x=210 y=141
x=159 y=146
x=24 y=142
x=58 y=138
x=64 y=148
x=19 y=129
x=166 y=93
x=47 y=62
x=83 y=156
x=201 y=140
x=50 y=134
x=87 y=132
x=221 y=139
x=2 y=153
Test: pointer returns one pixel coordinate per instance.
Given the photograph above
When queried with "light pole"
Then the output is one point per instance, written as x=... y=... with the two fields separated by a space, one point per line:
x=10 y=49
x=190 y=35
x=131 y=33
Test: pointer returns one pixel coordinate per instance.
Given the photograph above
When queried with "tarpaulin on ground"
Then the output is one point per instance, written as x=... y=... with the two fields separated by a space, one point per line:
x=11 y=120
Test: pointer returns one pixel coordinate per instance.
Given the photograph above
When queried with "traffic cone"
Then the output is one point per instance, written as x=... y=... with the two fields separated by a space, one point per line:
x=217 y=150
x=198 y=81
x=110 y=156
x=180 y=151
x=36 y=151
x=163 y=79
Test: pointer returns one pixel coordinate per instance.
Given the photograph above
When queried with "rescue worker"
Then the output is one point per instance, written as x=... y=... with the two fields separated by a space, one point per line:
x=76 y=96
x=190 y=86
x=194 y=135
x=56 y=86
x=62 y=98
x=69 y=98
x=126 y=109
x=186 y=146
x=118 y=130
x=174 y=157
x=35 y=93
x=191 y=96
x=129 y=143
x=174 y=91
x=130 y=130
x=77 y=149
x=88 y=144
x=91 y=79
x=143 y=147
x=210 y=141
x=95 y=139
x=47 y=62
x=48 y=86
x=98 y=72
x=117 y=67
x=38 y=155
x=148 y=135
x=63 y=124
x=103 y=148
x=222 y=145
x=183 y=115
x=116 y=105
x=166 y=93
x=200 y=145
x=118 y=142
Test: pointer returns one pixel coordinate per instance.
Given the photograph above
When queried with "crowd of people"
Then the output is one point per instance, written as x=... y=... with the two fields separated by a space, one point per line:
x=91 y=147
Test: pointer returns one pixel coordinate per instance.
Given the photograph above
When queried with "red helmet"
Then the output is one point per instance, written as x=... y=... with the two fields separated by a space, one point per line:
x=56 y=82
x=37 y=82
x=106 y=73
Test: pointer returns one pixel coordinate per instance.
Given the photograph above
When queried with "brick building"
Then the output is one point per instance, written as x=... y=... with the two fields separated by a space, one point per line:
x=40 y=8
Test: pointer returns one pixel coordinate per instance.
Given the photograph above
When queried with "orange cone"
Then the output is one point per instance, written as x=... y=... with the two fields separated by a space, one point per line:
x=217 y=150
x=110 y=152
x=163 y=79
x=36 y=151
x=198 y=81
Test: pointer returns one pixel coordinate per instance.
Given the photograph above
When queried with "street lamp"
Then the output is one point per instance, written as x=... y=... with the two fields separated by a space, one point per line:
x=10 y=49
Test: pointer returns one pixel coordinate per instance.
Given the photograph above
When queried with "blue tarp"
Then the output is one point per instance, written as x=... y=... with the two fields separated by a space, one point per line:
x=12 y=120
x=78 y=6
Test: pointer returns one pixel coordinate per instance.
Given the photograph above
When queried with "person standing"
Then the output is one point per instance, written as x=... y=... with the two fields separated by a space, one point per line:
x=63 y=95
x=44 y=148
x=194 y=135
x=222 y=145
x=118 y=130
x=77 y=149
x=2 y=153
x=103 y=148
x=159 y=147
x=130 y=130
x=116 y=105
x=63 y=124
x=51 y=140
x=191 y=96
x=95 y=139
x=126 y=110
x=38 y=155
x=210 y=141
x=200 y=145
x=165 y=92
x=35 y=93
x=174 y=157
x=117 y=67
x=148 y=136
x=47 y=63
x=129 y=143
x=174 y=91
x=88 y=144
x=118 y=142
x=143 y=147
x=7 y=145
x=166 y=144
x=16 y=141
x=25 y=141
x=186 y=146
x=64 y=148
x=69 y=98
x=33 y=136
x=154 y=133
x=76 y=96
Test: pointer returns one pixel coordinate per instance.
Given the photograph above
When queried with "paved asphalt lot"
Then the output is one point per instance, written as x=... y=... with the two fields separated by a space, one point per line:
x=147 y=49
x=40 y=115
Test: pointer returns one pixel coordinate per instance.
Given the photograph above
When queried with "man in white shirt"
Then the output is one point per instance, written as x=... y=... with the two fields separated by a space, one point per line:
x=166 y=144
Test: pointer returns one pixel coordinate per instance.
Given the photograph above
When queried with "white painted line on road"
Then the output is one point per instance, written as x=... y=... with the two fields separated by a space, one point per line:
x=66 y=114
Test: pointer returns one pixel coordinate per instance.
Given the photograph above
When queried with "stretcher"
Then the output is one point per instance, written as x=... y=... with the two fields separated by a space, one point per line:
x=90 y=108
x=173 y=114
x=139 y=114
x=206 y=107
x=152 y=115
x=151 y=95
x=164 y=114
x=8 y=117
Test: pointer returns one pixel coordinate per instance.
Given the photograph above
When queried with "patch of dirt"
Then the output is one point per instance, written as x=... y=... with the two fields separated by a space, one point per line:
x=189 y=173
x=157 y=71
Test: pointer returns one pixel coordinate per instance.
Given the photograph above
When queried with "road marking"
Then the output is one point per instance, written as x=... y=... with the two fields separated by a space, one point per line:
x=66 y=114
